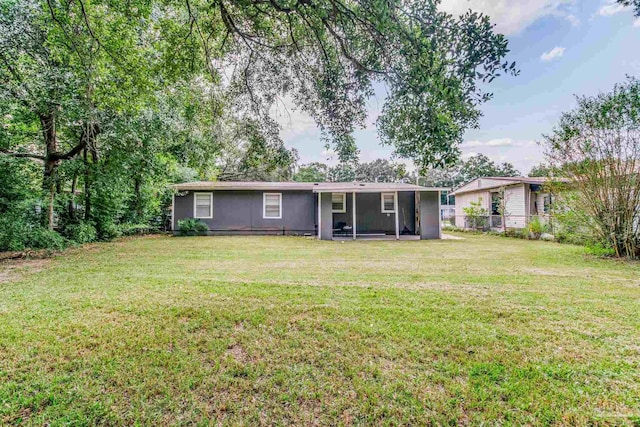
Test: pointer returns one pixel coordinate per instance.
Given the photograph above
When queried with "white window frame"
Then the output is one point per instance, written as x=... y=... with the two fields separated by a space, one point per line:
x=344 y=203
x=264 y=205
x=382 y=196
x=195 y=210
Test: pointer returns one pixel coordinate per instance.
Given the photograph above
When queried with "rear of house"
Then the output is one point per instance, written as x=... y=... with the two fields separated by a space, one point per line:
x=510 y=202
x=325 y=210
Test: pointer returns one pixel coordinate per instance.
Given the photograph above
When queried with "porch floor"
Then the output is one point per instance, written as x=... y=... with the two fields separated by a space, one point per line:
x=377 y=237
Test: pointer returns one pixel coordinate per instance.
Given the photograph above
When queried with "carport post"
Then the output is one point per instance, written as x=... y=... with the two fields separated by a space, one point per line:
x=353 y=211
x=395 y=208
x=319 y=215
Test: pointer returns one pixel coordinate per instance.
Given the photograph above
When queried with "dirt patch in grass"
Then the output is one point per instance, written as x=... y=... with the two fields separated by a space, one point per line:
x=14 y=270
x=238 y=353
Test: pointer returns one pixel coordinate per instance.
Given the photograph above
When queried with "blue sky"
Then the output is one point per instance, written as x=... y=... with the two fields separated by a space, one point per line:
x=562 y=47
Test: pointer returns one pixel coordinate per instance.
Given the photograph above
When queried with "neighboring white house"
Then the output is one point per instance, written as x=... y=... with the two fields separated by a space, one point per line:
x=523 y=199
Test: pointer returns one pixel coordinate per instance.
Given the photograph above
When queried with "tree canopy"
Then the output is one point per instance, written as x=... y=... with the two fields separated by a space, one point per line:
x=114 y=100
x=597 y=146
x=477 y=166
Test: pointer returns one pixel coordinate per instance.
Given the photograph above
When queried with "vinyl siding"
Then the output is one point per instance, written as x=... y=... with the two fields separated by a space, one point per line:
x=242 y=212
x=483 y=183
x=464 y=201
x=515 y=206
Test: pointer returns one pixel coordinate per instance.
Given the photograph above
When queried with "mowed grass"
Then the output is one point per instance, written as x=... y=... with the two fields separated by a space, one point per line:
x=293 y=331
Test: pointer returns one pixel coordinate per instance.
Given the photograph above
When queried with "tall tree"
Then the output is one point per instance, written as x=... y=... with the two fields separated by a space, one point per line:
x=312 y=172
x=480 y=165
x=380 y=170
x=326 y=55
x=540 y=171
x=597 y=146
x=477 y=166
x=58 y=62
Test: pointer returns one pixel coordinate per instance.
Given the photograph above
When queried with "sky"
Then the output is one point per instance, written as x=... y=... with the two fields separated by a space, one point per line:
x=562 y=47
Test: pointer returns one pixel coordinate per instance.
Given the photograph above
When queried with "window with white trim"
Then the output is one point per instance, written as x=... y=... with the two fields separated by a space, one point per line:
x=203 y=205
x=388 y=202
x=338 y=202
x=272 y=205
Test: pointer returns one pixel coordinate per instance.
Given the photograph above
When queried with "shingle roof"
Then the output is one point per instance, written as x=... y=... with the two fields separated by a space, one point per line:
x=316 y=187
x=488 y=182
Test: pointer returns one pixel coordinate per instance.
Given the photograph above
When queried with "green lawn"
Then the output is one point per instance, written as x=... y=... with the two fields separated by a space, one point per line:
x=284 y=330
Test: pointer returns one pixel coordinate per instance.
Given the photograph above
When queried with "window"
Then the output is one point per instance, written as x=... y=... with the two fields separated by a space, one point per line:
x=339 y=202
x=547 y=203
x=388 y=201
x=203 y=205
x=272 y=205
x=496 y=202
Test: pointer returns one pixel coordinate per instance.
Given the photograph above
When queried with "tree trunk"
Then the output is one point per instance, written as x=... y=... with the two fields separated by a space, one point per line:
x=48 y=123
x=87 y=186
x=138 y=197
x=74 y=185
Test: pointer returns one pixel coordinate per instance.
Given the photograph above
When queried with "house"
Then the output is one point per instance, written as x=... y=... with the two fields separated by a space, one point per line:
x=325 y=210
x=516 y=200
x=447 y=207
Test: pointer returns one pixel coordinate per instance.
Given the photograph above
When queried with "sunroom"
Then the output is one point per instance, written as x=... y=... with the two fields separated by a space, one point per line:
x=377 y=211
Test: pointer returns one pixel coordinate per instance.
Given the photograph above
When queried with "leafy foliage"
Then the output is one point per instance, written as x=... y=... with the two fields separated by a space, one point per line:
x=631 y=3
x=192 y=227
x=112 y=101
x=541 y=171
x=379 y=170
x=536 y=227
x=477 y=166
x=312 y=172
x=597 y=146
x=476 y=215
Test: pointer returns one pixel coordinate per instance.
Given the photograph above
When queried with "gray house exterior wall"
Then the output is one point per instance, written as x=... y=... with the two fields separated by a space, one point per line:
x=242 y=211
x=429 y=215
x=326 y=222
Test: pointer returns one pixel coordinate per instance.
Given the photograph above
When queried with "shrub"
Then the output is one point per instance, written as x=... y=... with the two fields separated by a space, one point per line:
x=137 y=229
x=598 y=249
x=192 y=227
x=43 y=238
x=476 y=216
x=20 y=229
x=536 y=227
x=108 y=230
x=18 y=234
x=572 y=238
x=516 y=233
x=81 y=232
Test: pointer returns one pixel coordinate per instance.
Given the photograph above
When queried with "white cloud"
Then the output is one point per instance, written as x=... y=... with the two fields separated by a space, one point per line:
x=636 y=23
x=554 y=53
x=512 y=16
x=522 y=153
x=497 y=142
x=611 y=8
x=500 y=142
x=573 y=20
x=293 y=121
